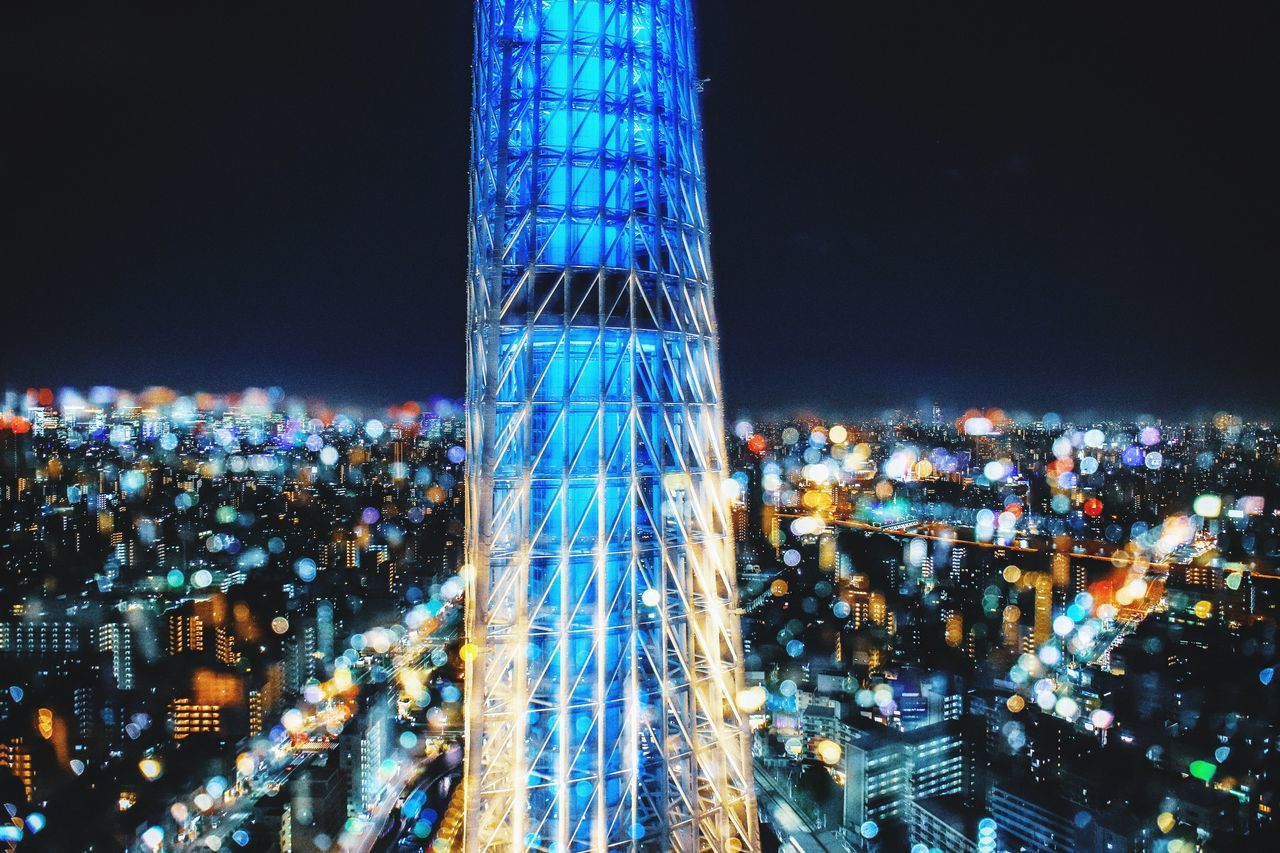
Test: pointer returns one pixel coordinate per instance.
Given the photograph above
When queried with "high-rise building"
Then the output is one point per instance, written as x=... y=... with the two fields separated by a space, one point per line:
x=257 y=714
x=1043 y=631
x=186 y=633
x=877 y=776
x=115 y=640
x=364 y=745
x=605 y=655
x=39 y=639
x=224 y=643
x=300 y=664
x=936 y=758
x=944 y=825
x=187 y=718
x=15 y=756
x=317 y=809
x=324 y=629
x=827 y=553
x=264 y=700
x=1027 y=819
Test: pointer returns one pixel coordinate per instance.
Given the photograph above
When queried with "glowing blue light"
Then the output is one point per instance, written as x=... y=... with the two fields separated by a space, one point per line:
x=413 y=806
x=590 y=253
x=305 y=568
x=216 y=786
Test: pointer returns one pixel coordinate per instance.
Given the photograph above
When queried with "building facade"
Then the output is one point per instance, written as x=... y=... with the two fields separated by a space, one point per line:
x=603 y=643
x=1035 y=825
x=364 y=745
x=877 y=771
x=39 y=639
x=187 y=718
x=15 y=756
x=115 y=641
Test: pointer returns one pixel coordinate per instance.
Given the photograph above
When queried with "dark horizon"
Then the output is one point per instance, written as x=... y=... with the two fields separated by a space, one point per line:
x=1035 y=212
x=452 y=406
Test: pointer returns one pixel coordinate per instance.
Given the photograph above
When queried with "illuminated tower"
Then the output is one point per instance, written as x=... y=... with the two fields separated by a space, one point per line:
x=603 y=642
x=1042 y=632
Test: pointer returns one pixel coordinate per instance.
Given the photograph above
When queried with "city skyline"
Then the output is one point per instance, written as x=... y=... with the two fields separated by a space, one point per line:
x=923 y=410
x=840 y=429
x=958 y=634
x=1115 y=178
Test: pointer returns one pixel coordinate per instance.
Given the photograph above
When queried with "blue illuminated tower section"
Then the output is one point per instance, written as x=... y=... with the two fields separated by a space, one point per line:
x=603 y=644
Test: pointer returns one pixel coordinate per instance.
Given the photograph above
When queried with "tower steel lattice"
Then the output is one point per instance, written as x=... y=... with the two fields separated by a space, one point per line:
x=603 y=637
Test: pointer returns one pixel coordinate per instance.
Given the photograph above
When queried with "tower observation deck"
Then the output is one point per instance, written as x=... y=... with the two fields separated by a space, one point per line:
x=604 y=649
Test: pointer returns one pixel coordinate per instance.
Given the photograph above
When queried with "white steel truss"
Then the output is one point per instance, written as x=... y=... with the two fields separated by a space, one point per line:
x=602 y=623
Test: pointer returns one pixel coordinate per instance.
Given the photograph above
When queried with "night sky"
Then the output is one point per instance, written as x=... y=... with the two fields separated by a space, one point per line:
x=1037 y=206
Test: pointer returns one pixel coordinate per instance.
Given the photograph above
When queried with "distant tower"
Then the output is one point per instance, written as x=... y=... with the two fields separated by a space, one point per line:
x=604 y=647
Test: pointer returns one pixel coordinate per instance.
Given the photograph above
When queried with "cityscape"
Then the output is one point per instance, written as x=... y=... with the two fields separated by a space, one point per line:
x=231 y=620
x=611 y=585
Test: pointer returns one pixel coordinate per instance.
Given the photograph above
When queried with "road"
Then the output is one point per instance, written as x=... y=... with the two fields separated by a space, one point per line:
x=222 y=822
x=435 y=787
x=957 y=540
x=794 y=830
